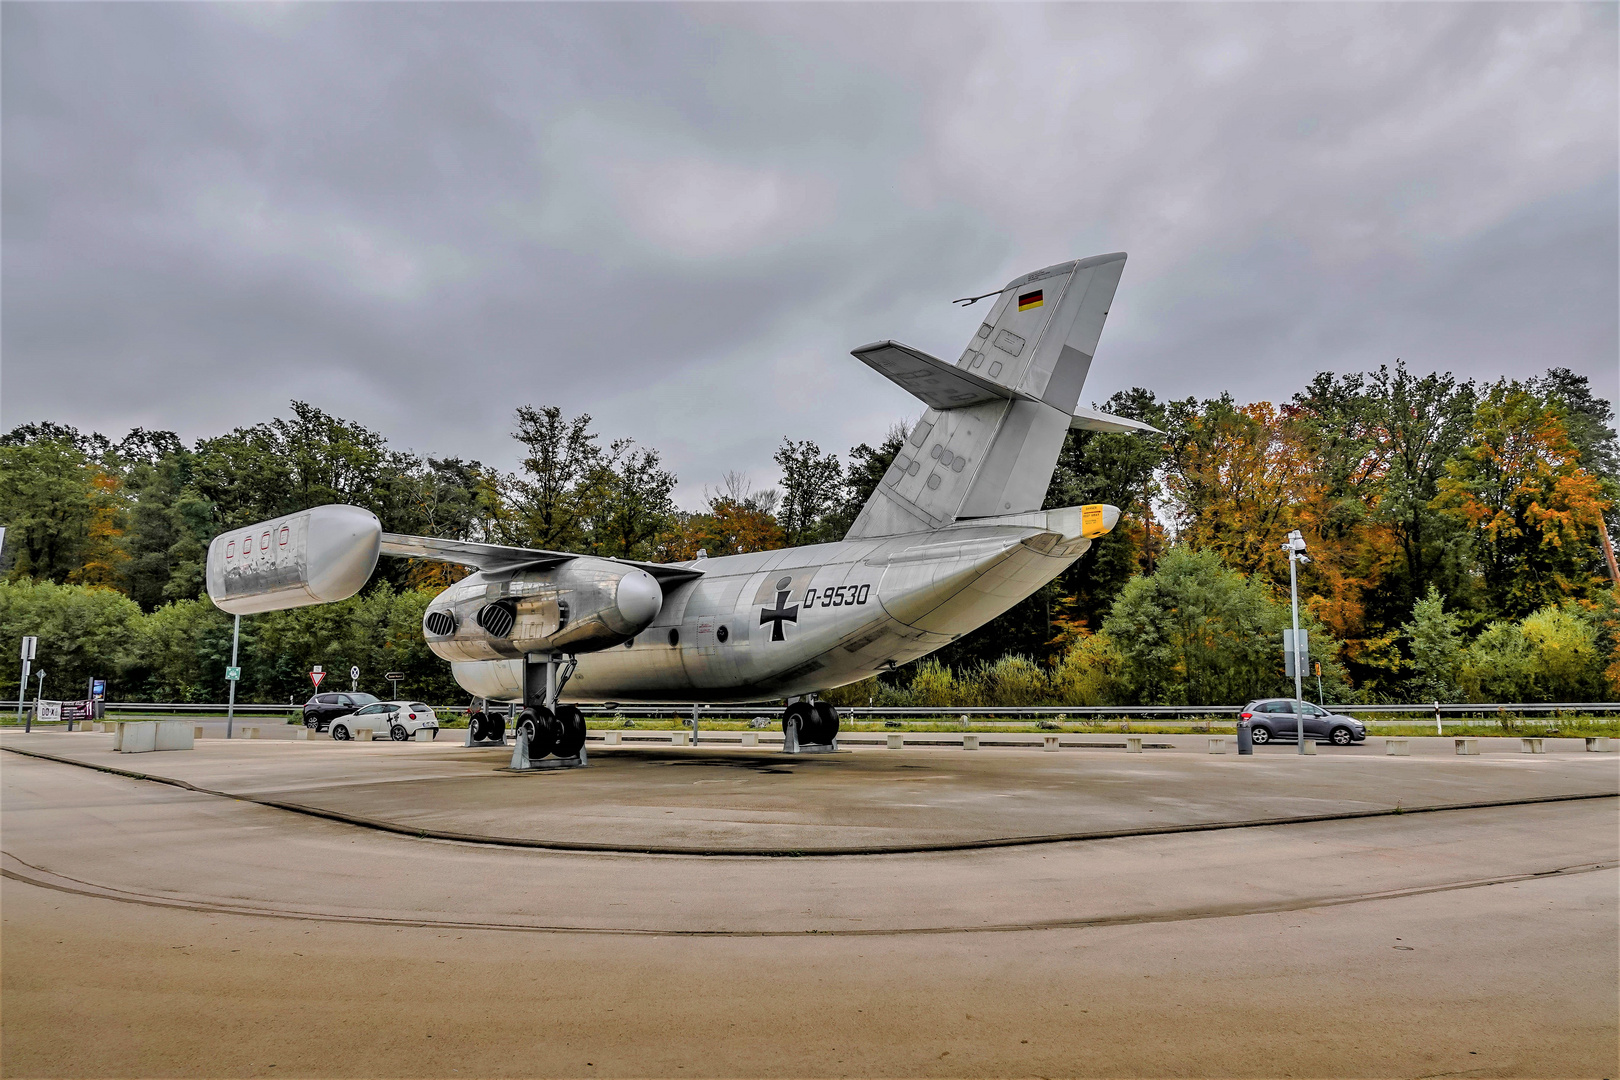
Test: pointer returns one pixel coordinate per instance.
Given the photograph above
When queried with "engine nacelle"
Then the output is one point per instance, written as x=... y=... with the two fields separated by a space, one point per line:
x=311 y=557
x=582 y=605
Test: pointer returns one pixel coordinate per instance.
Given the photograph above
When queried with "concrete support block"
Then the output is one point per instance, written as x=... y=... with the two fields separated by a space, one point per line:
x=1397 y=748
x=118 y=734
x=1133 y=744
x=1533 y=746
x=138 y=737
x=1308 y=746
x=750 y=738
x=364 y=734
x=1049 y=743
x=970 y=742
x=1217 y=746
x=897 y=740
x=176 y=735
x=303 y=734
x=246 y=732
x=680 y=738
x=1600 y=745
x=423 y=735
x=1467 y=747
x=196 y=731
x=613 y=738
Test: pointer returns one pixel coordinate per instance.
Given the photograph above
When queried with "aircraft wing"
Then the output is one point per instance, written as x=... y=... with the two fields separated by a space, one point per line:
x=1091 y=420
x=938 y=384
x=498 y=557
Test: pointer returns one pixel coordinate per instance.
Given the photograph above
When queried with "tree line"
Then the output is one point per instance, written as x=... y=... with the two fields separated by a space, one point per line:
x=1459 y=536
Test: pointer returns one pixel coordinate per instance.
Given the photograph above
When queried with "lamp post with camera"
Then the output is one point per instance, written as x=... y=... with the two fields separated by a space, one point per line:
x=1295 y=546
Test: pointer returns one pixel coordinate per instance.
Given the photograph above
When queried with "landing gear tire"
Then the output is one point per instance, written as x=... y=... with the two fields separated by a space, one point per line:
x=801 y=716
x=826 y=728
x=477 y=727
x=398 y=733
x=1260 y=735
x=494 y=727
x=570 y=731
x=541 y=729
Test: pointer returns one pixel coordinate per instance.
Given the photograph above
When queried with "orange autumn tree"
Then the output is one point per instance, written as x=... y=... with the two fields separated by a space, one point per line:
x=1533 y=512
x=103 y=553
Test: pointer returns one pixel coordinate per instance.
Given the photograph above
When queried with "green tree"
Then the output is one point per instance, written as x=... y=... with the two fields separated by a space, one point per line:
x=811 y=485
x=46 y=506
x=1437 y=650
x=82 y=631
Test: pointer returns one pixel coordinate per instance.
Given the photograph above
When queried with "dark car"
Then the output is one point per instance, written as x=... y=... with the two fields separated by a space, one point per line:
x=322 y=709
x=1278 y=719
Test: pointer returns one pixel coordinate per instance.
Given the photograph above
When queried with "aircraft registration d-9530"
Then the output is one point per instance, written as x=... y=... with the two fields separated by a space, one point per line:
x=952 y=536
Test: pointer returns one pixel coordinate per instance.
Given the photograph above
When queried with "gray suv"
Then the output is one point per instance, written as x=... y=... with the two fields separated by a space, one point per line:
x=1278 y=719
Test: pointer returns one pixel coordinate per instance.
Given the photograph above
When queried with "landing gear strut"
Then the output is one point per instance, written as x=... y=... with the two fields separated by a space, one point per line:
x=545 y=727
x=810 y=727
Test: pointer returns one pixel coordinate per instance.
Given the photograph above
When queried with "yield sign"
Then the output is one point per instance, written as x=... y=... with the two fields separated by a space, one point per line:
x=316 y=677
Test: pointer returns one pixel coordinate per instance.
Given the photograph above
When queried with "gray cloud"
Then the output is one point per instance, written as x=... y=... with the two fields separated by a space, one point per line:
x=680 y=218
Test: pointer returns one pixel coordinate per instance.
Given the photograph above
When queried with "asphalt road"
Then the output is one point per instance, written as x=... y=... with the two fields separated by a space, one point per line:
x=152 y=930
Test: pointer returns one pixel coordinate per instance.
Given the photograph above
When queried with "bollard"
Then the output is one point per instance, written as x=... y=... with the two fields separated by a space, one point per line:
x=1467 y=747
x=1245 y=737
x=424 y=735
x=680 y=738
x=1050 y=741
x=1308 y=746
x=1133 y=744
x=303 y=734
x=1600 y=745
x=613 y=738
x=1533 y=746
x=897 y=740
x=1217 y=746
x=750 y=738
x=1397 y=748
x=970 y=742
x=197 y=730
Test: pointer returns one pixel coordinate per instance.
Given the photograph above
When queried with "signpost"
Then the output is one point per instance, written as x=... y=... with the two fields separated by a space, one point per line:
x=354 y=680
x=230 y=707
x=395 y=677
x=1295 y=641
x=316 y=676
x=29 y=645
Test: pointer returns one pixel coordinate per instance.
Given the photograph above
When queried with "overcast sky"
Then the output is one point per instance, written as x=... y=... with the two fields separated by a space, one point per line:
x=680 y=219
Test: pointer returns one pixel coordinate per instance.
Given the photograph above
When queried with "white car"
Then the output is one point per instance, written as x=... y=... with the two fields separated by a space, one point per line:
x=398 y=720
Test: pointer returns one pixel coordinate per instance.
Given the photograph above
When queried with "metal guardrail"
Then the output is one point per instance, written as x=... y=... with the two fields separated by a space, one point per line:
x=981 y=713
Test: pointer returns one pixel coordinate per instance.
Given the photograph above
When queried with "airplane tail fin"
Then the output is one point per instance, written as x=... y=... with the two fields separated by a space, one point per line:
x=996 y=419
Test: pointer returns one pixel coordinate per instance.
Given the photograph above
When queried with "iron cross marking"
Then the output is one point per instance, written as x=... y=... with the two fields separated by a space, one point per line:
x=779 y=614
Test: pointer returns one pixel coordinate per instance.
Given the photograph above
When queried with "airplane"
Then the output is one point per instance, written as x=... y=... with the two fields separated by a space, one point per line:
x=952 y=536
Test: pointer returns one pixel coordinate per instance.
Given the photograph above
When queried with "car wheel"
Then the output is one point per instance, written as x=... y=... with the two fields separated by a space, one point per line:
x=1260 y=735
x=340 y=733
x=1341 y=736
x=398 y=733
x=310 y=721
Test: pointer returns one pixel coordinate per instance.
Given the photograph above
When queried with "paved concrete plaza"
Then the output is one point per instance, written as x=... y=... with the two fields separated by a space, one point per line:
x=150 y=928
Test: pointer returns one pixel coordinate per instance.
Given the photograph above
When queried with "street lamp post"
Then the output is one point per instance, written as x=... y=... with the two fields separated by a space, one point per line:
x=1295 y=546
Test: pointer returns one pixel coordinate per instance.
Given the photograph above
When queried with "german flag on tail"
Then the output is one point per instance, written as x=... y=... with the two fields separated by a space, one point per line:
x=1030 y=300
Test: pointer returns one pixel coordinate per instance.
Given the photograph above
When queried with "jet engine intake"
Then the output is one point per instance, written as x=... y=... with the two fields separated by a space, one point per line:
x=582 y=605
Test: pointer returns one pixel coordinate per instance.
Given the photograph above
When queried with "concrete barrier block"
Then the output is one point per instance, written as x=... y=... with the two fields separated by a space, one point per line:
x=118 y=734
x=897 y=740
x=1600 y=745
x=176 y=735
x=196 y=731
x=613 y=738
x=970 y=742
x=303 y=734
x=1308 y=746
x=247 y=732
x=680 y=738
x=1467 y=747
x=423 y=735
x=750 y=738
x=1217 y=746
x=1049 y=742
x=1533 y=746
x=1397 y=748
x=138 y=737
x=1133 y=744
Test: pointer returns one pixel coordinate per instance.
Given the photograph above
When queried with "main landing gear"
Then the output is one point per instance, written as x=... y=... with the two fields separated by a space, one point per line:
x=809 y=727
x=545 y=727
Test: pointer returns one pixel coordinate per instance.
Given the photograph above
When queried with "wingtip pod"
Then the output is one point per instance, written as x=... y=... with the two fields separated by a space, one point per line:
x=315 y=556
x=1098 y=519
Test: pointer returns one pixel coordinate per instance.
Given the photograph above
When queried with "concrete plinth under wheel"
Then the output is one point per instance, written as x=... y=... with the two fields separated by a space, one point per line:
x=1467 y=941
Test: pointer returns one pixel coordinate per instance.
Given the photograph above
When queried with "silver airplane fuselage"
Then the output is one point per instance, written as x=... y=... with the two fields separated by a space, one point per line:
x=778 y=624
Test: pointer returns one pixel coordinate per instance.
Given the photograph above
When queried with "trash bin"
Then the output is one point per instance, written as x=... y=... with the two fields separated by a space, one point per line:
x=1245 y=738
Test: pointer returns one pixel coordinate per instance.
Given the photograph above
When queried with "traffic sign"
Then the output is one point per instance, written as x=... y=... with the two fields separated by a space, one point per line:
x=232 y=674
x=29 y=644
x=354 y=673
x=394 y=676
x=316 y=676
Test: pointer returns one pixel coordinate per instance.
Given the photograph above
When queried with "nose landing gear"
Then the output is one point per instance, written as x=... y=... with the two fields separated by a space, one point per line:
x=810 y=727
x=545 y=727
